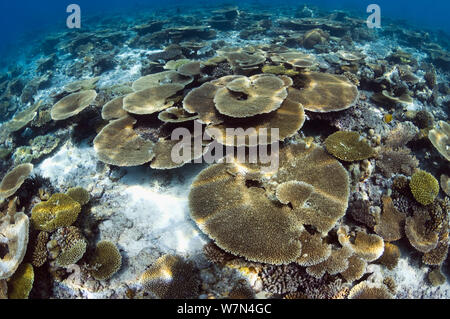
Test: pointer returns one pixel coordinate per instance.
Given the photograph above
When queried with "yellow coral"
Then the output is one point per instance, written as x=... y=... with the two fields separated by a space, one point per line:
x=424 y=187
x=59 y=211
x=21 y=283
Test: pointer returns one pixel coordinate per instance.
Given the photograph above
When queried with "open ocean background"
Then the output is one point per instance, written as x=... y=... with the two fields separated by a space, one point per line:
x=22 y=20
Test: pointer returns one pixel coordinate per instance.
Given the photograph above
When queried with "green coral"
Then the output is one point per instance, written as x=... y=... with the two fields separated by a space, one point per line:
x=79 y=194
x=279 y=70
x=107 y=260
x=59 y=211
x=424 y=187
x=348 y=146
x=21 y=283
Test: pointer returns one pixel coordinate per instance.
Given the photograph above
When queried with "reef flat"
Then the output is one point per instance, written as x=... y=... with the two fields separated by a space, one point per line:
x=93 y=203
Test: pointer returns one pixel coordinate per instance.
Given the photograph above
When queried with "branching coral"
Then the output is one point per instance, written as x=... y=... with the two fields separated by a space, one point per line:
x=67 y=246
x=59 y=211
x=171 y=277
x=399 y=161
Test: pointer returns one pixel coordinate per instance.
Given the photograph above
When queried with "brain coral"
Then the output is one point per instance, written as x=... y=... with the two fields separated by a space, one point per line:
x=14 y=237
x=246 y=97
x=107 y=260
x=21 y=283
x=14 y=179
x=59 y=211
x=439 y=137
x=323 y=92
x=72 y=104
x=424 y=187
x=348 y=146
x=151 y=100
x=252 y=223
x=171 y=277
x=118 y=144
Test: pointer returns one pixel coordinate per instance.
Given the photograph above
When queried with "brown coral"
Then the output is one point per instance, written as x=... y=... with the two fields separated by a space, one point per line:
x=171 y=277
x=323 y=92
x=390 y=256
x=367 y=290
x=348 y=146
x=161 y=78
x=258 y=228
x=14 y=179
x=72 y=104
x=390 y=224
x=118 y=144
x=439 y=137
x=40 y=249
x=417 y=233
x=113 y=110
x=151 y=100
x=107 y=260
x=246 y=97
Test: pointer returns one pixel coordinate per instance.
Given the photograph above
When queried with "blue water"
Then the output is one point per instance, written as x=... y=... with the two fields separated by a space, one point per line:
x=22 y=20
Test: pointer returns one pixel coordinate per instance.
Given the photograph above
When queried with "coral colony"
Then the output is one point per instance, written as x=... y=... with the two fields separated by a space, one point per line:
x=226 y=153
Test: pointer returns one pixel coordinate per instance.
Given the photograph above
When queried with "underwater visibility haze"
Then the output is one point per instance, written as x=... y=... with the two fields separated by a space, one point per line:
x=224 y=150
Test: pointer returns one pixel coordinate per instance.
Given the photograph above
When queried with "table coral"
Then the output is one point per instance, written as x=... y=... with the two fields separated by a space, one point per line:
x=348 y=146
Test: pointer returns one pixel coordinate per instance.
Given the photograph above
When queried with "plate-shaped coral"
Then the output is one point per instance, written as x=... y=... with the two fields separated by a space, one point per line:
x=72 y=104
x=323 y=92
x=348 y=146
x=439 y=137
x=14 y=179
x=237 y=207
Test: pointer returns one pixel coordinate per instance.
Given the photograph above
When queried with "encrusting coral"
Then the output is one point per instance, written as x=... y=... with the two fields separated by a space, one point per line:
x=171 y=277
x=424 y=187
x=255 y=226
x=107 y=260
x=59 y=211
x=348 y=146
x=14 y=180
x=72 y=104
x=21 y=283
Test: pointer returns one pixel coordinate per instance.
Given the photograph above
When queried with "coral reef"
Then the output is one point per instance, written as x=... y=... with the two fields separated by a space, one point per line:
x=107 y=260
